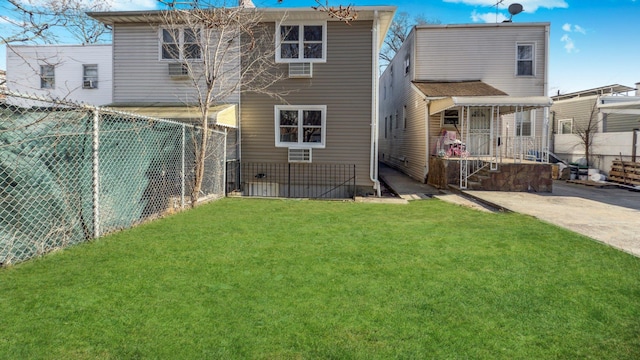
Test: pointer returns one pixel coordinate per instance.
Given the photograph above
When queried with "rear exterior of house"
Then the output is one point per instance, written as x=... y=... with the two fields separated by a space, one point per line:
x=447 y=76
x=80 y=73
x=338 y=90
x=319 y=141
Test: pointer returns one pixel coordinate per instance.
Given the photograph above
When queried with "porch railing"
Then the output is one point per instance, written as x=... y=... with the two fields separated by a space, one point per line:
x=295 y=180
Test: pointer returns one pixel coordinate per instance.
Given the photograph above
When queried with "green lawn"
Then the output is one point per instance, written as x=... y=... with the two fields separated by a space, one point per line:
x=286 y=279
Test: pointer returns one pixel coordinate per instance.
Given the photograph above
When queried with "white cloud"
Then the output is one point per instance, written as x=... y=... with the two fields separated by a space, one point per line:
x=529 y=5
x=569 y=45
x=487 y=17
x=574 y=28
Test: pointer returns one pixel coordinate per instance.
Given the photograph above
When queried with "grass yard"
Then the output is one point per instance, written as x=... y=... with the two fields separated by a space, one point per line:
x=286 y=279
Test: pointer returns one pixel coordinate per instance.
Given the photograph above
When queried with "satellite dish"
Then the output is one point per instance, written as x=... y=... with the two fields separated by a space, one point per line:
x=515 y=9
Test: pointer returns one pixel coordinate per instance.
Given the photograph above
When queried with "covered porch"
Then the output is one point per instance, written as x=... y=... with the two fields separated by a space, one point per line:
x=489 y=142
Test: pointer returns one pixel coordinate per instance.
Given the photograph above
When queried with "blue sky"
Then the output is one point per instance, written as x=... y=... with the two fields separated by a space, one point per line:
x=592 y=43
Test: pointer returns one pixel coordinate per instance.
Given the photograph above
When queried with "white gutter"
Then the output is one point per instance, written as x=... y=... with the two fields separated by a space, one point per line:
x=373 y=164
x=546 y=133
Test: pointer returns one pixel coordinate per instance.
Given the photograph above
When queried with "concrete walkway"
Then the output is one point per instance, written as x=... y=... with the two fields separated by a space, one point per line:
x=569 y=207
x=409 y=189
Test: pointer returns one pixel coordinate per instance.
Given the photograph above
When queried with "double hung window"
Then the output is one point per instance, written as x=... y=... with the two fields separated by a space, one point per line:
x=47 y=77
x=90 y=76
x=300 y=126
x=524 y=60
x=180 y=44
x=301 y=42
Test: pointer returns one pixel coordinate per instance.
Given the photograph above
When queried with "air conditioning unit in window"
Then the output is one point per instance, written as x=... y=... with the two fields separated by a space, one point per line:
x=299 y=155
x=301 y=70
x=89 y=84
x=178 y=70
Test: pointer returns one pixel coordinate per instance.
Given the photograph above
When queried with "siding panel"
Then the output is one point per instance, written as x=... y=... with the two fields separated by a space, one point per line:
x=139 y=75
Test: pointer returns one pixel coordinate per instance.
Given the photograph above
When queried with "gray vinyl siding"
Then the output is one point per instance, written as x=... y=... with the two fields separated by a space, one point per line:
x=482 y=52
x=577 y=109
x=403 y=148
x=621 y=122
x=139 y=75
x=343 y=84
x=485 y=52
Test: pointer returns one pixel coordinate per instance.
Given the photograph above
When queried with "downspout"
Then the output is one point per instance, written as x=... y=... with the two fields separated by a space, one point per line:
x=373 y=164
x=546 y=134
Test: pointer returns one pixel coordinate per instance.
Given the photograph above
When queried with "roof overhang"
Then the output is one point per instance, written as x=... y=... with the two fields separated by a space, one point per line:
x=438 y=89
x=224 y=115
x=629 y=107
x=384 y=14
x=507 y=104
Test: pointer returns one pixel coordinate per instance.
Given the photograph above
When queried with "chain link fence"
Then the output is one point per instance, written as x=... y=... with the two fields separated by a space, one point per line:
x=70 y=172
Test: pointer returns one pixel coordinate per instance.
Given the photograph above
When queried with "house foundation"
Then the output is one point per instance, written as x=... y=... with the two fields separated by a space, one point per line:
x=519 y=177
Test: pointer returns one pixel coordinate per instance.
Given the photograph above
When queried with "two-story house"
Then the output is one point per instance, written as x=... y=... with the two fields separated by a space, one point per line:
x=464 y=98
x=80 y=73
x=318 y=140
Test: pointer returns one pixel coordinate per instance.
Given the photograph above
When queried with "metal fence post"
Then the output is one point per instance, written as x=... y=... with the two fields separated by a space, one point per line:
x=96 y=172
x=182 y=169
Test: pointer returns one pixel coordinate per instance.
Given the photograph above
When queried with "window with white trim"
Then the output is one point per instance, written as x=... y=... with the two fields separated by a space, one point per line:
x=404 y=117
x=451 y=117
x=407 y=64
x=180 y=44
x=89 y=76
x=523 y=123
x=301 y=42
x=47 y=77
x=565 y=126
x=300 y=126
x=524 y=59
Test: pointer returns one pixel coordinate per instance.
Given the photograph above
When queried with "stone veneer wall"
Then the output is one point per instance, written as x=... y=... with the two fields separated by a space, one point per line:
x=533 y=177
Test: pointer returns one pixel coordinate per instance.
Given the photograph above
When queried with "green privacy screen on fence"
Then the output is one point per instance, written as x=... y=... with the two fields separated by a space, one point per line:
x=70 y=172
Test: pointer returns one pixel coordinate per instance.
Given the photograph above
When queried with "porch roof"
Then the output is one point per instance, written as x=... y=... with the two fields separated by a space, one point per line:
x=630 y=106
x=457 y=88
x=222 y=115
x=507 y=104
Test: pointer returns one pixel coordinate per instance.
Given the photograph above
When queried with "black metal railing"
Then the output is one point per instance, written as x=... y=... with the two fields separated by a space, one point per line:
x=293 y=180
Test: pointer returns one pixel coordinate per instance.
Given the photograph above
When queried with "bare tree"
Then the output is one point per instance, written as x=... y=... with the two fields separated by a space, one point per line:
x=586 y=131
x=48 y=21
x=398 y=32
x=223 y=52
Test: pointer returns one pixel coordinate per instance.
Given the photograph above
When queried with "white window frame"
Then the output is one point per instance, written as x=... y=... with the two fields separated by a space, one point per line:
x=530 y=120
x=301 y=42
x=561 y=128
x=181 y=44
x=46 y=77
x=444 y=118
x=407 y=64
x=300 y=144
x=93 y=78
x=404 y=117
x=533 y=59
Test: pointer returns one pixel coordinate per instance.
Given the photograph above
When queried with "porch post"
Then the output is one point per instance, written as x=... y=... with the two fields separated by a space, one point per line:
x=546 y=135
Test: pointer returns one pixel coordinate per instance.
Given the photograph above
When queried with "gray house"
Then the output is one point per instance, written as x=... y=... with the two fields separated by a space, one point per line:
x=460 y=99
x=319 y=140
x=610 y=113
